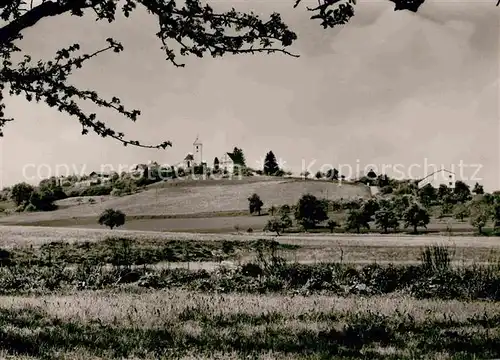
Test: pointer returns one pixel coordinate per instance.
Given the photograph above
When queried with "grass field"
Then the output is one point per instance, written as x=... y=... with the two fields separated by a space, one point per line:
x=116 y=294
x=186 y=325
x=189 y=198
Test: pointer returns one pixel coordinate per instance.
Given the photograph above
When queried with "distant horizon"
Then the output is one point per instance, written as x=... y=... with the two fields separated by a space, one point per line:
x=65 y=170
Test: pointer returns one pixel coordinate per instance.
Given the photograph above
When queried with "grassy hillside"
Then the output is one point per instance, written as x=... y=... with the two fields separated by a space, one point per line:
x=203 y=197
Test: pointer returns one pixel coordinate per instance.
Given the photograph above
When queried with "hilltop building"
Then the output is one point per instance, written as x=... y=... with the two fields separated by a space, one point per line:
x=437 y=178
x=226 y=162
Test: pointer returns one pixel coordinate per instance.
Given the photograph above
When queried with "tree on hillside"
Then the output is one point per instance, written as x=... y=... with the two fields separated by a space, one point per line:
x=53 y=187
x=386 y=219
x=461 y=211
x=416 y=216
x=278 y=225
x=21 y=193
x=255 y=204
x=332 y=174
x=369 y=208
x=111 y=218
x=401 y=203
x=461 y=191
x=43 y=200
x=427 y=194
x=190 y=28
x=270 y=164
x=443 y=192
x=481 y=213
x=310 y=211
x=356 y=219
x=238 y=157
x=495 y=214
x=478 y=189
x=216 y=164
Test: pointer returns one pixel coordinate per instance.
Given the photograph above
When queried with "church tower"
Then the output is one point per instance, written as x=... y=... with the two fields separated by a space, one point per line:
x=197 y=151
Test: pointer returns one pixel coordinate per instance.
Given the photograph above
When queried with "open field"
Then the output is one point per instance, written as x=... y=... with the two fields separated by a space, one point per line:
x=225 y=222
x=186 y=325
x=69 y=293
x=189 y=198
x=313 y=247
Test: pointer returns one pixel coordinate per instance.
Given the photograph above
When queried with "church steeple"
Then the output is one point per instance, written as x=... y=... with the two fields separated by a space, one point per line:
x=198 y=151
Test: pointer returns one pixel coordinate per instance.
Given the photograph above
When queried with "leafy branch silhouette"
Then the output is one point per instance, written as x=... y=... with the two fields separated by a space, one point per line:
x=190 y=29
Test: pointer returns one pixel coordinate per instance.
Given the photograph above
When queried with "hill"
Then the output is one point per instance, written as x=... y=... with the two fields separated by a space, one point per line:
x=198 y=197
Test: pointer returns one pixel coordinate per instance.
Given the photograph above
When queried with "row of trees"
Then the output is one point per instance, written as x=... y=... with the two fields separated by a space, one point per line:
x=386 y=213
x=310 y=211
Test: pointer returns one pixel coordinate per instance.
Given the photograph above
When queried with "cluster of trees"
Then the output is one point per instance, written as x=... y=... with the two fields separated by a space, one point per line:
x=41 y=198
x=407 y=209
x=308 y=212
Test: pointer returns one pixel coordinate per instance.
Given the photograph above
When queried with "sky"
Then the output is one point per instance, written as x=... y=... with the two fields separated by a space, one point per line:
x=389 y=90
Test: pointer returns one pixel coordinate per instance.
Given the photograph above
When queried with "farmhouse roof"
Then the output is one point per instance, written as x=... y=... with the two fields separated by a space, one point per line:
x=189 y=157
x=231 y=156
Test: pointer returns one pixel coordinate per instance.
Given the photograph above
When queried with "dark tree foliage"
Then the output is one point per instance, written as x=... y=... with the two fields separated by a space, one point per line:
x=270 y=164
x=332 y=174
x=255 y=204
x=239 y=157
x=216 y=164
x=190 y=28
x=310 y=211
x=21 y=193
x=478 y=189
x=112 y=218
x=461 y=191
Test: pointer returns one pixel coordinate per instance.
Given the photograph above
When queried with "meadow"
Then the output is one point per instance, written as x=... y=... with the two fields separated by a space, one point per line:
x=210 y=284
x=187 y=199
x=109 y=294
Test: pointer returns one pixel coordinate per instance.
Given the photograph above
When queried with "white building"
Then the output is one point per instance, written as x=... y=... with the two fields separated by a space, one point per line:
x=189 y=161
x=197 y=152
x=226 y=163
x=437 y=178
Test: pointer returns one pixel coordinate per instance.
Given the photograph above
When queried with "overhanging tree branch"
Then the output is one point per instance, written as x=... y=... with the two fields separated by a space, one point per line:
x=190 y=29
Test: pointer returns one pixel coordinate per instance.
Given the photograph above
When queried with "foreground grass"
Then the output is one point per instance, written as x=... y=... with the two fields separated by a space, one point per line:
x=182 y=324
x=435 y=278
x=107 y=298
x=125 y=251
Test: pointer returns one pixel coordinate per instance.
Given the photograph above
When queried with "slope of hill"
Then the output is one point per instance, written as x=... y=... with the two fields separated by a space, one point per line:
x=206 y=198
